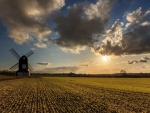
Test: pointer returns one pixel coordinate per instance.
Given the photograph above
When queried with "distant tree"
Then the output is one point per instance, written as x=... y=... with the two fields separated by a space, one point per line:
x=123 y=71
x=72 y=74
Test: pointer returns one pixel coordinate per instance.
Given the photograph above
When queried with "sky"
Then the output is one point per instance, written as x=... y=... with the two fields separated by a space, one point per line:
x=80 y=36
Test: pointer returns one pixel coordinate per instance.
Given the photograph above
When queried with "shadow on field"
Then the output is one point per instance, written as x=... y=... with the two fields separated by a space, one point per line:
x=4 y=79
x=18 y=77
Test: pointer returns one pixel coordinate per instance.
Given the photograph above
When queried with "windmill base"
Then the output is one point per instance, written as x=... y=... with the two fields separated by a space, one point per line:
x=22 y=73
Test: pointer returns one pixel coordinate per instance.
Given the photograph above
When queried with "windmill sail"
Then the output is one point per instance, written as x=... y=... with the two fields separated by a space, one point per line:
x=14 y=66
x=29 y=53
x=23 y=66
x=15 y=53
x=30 y=67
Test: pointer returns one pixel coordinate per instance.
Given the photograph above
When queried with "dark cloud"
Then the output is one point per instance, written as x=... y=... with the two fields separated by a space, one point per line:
x=82 y=24
x=143 y=60
x=85 y=65
x=63 y=69
x=108 y=49
x=43 y=64
x=33 y=49
x=132 y=62
x=136 y=40
x=26 y=19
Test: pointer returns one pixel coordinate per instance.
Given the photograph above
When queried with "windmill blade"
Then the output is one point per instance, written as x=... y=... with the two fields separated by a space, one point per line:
x=14 y=66
x=15 y=53
x=29 y=53
x=30 y=67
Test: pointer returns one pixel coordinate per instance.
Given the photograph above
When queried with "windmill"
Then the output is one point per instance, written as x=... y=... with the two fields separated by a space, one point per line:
x=23 y=66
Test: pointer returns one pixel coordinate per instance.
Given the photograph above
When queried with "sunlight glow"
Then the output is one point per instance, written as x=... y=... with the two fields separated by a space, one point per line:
x=105 y=58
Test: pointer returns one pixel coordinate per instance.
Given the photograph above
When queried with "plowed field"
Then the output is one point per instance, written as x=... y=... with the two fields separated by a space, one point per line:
x=75 y=95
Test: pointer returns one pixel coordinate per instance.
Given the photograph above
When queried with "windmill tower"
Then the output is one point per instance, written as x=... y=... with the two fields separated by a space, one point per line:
x=23 y=65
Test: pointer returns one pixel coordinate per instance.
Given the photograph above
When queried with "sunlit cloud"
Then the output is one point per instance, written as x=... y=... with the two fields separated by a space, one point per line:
x=26 y=19
x=83 y=25
x=33 y=49
x=40 y=45
x=145 y=58
x=134 y=41
x=78 y=29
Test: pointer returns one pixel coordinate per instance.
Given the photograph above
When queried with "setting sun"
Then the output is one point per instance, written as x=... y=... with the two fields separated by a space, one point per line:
x=104 y=58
